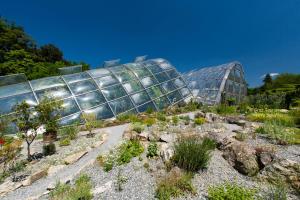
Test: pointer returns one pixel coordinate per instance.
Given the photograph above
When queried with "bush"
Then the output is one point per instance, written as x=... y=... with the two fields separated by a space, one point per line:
x=128 y=150
x=175 y=120
x=283 y=135
x=149 y=121
x=226 y=110
x=199 y=121
x=81 y=190
x=64 y=142
x=152 y=150
x=230 y=191
x=49 y=149
x=138 y=127
x=186 y=119
x=69 y=131
x=174 y=185
x=192 y=153
x=283 y=119
x=241 y=136
x=161 y=116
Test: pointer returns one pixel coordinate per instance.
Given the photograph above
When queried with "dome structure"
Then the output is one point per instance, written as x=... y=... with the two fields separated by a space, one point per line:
x=212 y=85
x=106 y=92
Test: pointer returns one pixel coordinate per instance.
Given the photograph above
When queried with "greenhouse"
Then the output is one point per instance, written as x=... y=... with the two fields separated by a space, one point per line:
x=106 y=92
x=212 y=85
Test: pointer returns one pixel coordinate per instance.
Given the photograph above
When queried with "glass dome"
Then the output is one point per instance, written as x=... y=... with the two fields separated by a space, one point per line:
x=211 y=85
x=107 y=92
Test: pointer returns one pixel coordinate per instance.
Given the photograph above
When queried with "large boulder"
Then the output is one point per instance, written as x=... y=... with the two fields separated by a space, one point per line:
x=242 y=157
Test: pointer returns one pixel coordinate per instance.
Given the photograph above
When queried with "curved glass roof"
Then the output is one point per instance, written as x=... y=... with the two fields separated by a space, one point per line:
x=107 y=92
x=209 y=85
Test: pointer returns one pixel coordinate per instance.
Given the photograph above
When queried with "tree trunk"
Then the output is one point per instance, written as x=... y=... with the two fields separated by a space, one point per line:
x=28 y=151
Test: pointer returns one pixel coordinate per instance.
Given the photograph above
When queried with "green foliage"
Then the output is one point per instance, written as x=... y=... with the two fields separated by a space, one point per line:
x=149 y=121
x=120 y=181
x=281 y=118
x=266 y=100
x=282 y=134
x=161 y=116
x=175 y=119
x=149 y=110
x=225 y=109
x=241 y=136
x=90 y=122
x=186 y=119
x=174 y=185
x=152 y=150
x=230 y=191
x=192 y=153
x=49 y=149
x=199 y=120
x=128 y=150
x=70 y=132
x=278 y=191
x=65 y=142
x=81 y=190
x=138 y=127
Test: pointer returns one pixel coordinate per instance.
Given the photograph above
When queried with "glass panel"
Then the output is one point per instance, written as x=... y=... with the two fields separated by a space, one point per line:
x=142 y=72
x=125 y=76
x=162 y=77
x=168 y=86
x=145 y=107
x=172 y=73
x=155 y=69
x=113 y=92
x=70 y=69
x=69 y=107
x=165 y=65
x=133 y=86
x=83 y=87
x=12 y=79
x=178 y=82
x=55 y=92
x=117 y=69
x=101 y=112
x=133 y=66
x=48 y=82
x=162 y=102
x=121 y=105
x=106 y=81
x=71 y=78
x=99 y=72
x=148 y=81
x=140 y=98
x=185 y=92
x=89 y=100
x=155 y=91
x=14 y=89
x=72 y=119
x=7 y=104
x=174 y=96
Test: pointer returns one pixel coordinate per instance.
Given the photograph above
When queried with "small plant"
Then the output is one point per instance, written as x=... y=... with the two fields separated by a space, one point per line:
x=81 y=190
x=49 y=149
x=152 y=150
x=138 y=127
x=199 y=121
x=128 y=150
x=149 y=110
x=230 y=191
x=149 y=121
x=192 y=153
x=161 y=116
x=120 y=181
x=146 y=165
x=174 y=185
x=186 y=119
x=225 y=109
x=241 y=136
x=69 y=131
x=278 y=191
x=64 y=142
x=280 y=118
x=175 y=120
x=90 y=122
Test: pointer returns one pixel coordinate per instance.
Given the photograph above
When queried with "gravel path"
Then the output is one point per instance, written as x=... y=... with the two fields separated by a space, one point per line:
x=40 y=186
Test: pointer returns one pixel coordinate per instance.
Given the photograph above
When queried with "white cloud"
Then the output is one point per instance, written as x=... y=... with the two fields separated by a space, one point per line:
x=271 y=74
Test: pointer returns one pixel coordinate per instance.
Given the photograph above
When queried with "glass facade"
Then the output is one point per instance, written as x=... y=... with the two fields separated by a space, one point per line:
x=211 y=85
x=106 y=92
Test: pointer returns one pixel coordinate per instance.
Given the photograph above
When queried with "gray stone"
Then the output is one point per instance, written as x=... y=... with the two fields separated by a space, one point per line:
x=74 y=157
x=167 y=138
x=143 y=136
x=54 y=169
x=166 y=152
x=103 y=188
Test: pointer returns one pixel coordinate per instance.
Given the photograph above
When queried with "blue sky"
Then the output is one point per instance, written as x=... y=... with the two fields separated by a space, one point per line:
x=264 y=35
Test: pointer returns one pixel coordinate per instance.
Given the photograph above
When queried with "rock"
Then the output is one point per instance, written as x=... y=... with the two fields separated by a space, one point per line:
x=54 y=169
x=265 y=158
x=222 y=139
x=199 y=114
x=143 y=136
x=242 y=157
x=129 y=134
x=167 y=138
x=154 y=136
x=9 y=186
x=74 y=157
x=212 y=117
x=35 y=176
x=284 y=169
x=166 y=152
x=103 y=188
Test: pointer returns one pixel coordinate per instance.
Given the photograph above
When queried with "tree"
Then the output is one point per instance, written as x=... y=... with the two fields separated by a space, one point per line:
x=48 y=111
x=267 y=82
x=27 y=124
x=90 y=122
x=50 y=53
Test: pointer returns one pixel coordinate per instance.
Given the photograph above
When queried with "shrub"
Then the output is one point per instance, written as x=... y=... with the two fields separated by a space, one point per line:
x=241 y=136
x=149 y=110
x=69 y=131
x=199 y=121
x=283 y=119
x=146 y=165
x=174 y=185
x=120 y=180
x=152 y=150
x=81 y=190
x=128 y=150
x=49 y=149
x=280 y=133
x=161 y=116
x=230 y=191
x=192 y=153
x=278 y=191
x=64 y=142
x=149 y=121
x=186 y=119
x=138 y=127
x=175 y=120
x=224 y=109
